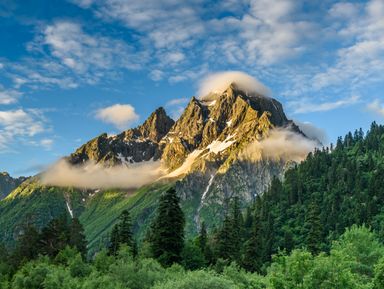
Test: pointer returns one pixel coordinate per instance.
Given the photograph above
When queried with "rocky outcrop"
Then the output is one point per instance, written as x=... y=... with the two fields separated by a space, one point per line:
x=133 y=145
x=8 y=184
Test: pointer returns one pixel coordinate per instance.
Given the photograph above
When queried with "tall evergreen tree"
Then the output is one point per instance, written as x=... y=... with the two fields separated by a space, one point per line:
x=114 y=243
x=252 y=259
x=27 y=245
x=122 y=234
x=167 y=230
x=125 y=229
x=77 y=237
x=314 y=231
x=55 y=236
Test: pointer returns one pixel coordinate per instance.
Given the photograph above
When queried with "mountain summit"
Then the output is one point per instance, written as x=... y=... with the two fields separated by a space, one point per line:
x=202 y=155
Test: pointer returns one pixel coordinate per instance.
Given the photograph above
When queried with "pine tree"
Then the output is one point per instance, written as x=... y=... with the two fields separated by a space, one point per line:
x=252 y=260
x=55 y=236
x=202 y=239
x=122 y=234
x=237 y=229
x=224 y=240
x=114 y=243
x=202 y=242
x=167 y=230
x=125 y=229
x=77 y=237
x=314 y=231
x=27 y=245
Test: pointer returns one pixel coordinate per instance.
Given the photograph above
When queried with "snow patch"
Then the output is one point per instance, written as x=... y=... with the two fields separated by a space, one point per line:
x=184 y=168
x=218 y=146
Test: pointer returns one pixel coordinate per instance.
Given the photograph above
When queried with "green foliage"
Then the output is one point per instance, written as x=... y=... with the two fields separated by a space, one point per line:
x=167 y=230
x=192 y=256
x=122 y=234
x=198 y=280
x=77 y=237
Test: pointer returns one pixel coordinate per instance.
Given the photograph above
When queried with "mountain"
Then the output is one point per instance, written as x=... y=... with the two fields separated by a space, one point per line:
x=8 y=184
x=202 y=154
x=133 y=145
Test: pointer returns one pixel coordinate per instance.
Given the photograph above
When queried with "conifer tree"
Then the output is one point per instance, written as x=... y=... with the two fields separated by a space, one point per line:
x=114 y=244
x=55 y=236
x=125 y=229
x=121 y=234
x=253 y=248
x=27 y=244
x=77 y=237
x=237 y=223
x=224 y=243
x=314 y=231
x=167 y=230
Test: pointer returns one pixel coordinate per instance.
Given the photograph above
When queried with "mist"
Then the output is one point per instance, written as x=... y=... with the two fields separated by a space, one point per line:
x=94 y=176
x=281 y=144
x=218 y=82
x=312 y=131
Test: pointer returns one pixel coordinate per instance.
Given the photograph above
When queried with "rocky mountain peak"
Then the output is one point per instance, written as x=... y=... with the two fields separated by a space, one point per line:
x=8 y=183
x=157 y=125
x=133 y=145
x=231 y=117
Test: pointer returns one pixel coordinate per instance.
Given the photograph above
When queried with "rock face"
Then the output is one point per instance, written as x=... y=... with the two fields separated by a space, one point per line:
x=133 y=145
x=8 y=184
x=202 y=149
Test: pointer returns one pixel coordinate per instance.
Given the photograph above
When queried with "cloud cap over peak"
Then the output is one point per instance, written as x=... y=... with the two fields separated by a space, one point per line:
x=220 y=81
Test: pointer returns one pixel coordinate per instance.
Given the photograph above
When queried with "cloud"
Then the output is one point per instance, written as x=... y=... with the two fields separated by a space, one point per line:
x=218 y=82
x=307 y=107
x=19 y=125
x=177 y=106
x=362 y=61
x=281 y=144
x=376 y=107
x=156 y=75
x=312 y=131
x=94 y=176
x=46 y=143
x=120 y=115
x=9 y=96
x=83 y=52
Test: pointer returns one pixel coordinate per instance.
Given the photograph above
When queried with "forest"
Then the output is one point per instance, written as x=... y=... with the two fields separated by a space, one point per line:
x=322 y=226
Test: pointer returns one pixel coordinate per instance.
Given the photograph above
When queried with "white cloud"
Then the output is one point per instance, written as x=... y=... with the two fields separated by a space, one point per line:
x=376 y=107
x=218 y=82
x=9 y=96
x=46 y=143
x=177 y=106
x=83 y=3
x=362 y=61
x=120 y=115
x=83 y=52
x=20 y=125
x=177 y=101
x=306 y=107
x=345 y=10
x=312 y=131
x=95 y=176
x=156 y=75
x=281 y=144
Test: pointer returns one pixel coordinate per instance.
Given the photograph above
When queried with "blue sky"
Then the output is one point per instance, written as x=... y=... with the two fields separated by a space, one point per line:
x=70 y=70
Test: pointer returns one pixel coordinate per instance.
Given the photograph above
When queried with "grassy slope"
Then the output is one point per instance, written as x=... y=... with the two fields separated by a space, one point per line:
x=39 y=204
x=103 y=210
